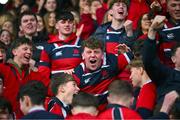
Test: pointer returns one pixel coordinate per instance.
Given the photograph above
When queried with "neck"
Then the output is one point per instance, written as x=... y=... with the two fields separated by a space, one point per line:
x=145 y=78
x=18 y=63
x=117 y=24
x=122 y=102
x=62 y=37
x=144 y=31
x=63 y=99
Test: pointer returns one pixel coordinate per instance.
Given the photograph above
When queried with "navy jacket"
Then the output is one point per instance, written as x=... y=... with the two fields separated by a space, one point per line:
x=166 y=78
x=41 y=114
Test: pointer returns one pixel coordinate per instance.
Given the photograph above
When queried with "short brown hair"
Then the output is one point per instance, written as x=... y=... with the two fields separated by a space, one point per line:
x=59 y=79
x=120 y=88
x=137 y=62
x=111 y=3
x=93 y=43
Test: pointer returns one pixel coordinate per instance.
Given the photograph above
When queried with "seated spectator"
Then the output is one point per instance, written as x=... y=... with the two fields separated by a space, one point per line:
x=84 y=106
x=6 y=112
x=63 y=87
x=31 y=97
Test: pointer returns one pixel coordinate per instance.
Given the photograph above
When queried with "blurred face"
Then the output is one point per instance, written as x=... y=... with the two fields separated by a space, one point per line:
x=83 y=3
x=52 y=19
x=176 y=58
x=65 y=27
x=28 y=25
x=145 y=23
x=22 y=54
x=71 y=88
x=173 y=7
x=24 y=8
x=93 y=58
x=119 y=11
x=2 y=55
x=50 y=5
x=135 y=76
x=4 y=114
x=40 y=25
x=8 y=25
x=94 y=6
x=5 y=37
x=1 y=86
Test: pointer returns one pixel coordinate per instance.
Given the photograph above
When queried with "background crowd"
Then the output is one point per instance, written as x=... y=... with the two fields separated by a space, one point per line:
x=90 y=59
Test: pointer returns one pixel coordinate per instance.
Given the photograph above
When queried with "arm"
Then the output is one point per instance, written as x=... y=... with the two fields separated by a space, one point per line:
x=168 y=102
x=44 y=67
x=154 y=68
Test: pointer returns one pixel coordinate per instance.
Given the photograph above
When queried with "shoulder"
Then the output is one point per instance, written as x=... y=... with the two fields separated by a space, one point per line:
x=41 y=115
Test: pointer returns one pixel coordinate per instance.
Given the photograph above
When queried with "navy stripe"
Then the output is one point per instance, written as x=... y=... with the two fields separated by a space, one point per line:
x=44 y=64
x=116 y=113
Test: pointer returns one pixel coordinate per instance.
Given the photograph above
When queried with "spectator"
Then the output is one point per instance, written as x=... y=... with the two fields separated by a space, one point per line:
x=146 y=100
x=119 y=99
x=169 y=33
x=24 y=7
x=1 y=85
x=6 y=111
x=5 y=37
x=84 y=106
x=2 y=52
x=85 y=18
x=31 y=97
x=98 y=70
x=117 y=32
x=63 y=87
x=63 y=50
x=28 y=28
x=143 y=26
x=50 y=22
x=166 y=78
x=9 y=26
x=94 y=5
x=17 y=71
x=48 y=6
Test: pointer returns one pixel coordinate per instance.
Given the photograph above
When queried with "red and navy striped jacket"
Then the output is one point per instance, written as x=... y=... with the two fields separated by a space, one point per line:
x=118 y=112
x=56 y=106
x=96 y=82
x=168 y=37
x=59 y=55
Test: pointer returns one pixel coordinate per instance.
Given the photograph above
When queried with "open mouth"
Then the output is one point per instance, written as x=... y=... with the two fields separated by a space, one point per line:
x=120 y=12
x=93 y=61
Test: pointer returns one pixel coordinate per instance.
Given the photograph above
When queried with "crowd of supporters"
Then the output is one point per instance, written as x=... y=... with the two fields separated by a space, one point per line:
x=90 y=59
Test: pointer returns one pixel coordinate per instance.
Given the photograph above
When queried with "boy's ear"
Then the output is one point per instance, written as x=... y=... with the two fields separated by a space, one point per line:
x=14 y=52
x=173 y=59
x=110 y=12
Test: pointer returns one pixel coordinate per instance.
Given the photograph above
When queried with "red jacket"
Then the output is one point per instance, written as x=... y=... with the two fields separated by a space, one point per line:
x=119 y=112
x=13 y=79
